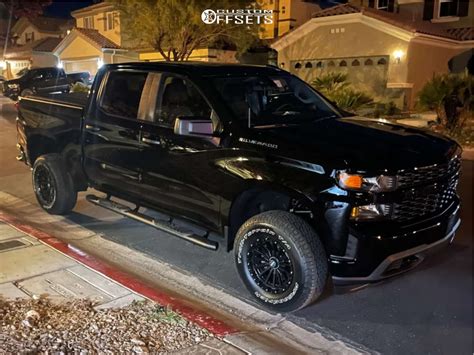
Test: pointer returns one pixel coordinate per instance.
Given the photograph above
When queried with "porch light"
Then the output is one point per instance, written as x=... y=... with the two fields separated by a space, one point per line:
x=100 y=62
x=3 y=64
x=60 y=65
x=398 y=54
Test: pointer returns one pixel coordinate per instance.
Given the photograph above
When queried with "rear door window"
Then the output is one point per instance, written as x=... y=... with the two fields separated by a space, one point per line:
x=122 y=93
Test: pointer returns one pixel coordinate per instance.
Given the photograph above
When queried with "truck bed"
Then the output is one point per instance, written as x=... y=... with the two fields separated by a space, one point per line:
x=51 y=122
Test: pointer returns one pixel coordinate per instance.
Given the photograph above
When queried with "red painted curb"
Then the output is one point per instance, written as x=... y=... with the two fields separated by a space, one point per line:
x=204 y=320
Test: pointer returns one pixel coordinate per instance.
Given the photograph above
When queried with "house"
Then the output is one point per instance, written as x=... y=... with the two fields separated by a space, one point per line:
x=447 y=13
x=28 y=30
x=388 y=55
x=287 y=15
x=95 y=40
x=34 y=54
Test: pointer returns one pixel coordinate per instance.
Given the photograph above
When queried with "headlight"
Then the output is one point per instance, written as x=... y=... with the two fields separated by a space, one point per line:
x=381 y=183
x=13 y=86
x=371 y=212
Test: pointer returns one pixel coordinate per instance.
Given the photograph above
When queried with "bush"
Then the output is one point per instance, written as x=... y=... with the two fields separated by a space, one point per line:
x=337 y=89
x=79 y=87
x=451 y=97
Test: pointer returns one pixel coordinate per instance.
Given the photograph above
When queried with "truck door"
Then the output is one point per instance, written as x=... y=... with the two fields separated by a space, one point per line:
x=111 y=147
x=177 y=171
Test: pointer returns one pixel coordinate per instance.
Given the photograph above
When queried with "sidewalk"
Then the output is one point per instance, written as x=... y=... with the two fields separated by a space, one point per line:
x=44 y=279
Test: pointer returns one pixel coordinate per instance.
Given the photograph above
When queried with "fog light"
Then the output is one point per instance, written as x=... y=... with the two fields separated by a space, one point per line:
x=371 y=212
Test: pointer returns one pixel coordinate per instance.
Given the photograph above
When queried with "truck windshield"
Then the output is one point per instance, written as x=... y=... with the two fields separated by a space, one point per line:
x=267 y=100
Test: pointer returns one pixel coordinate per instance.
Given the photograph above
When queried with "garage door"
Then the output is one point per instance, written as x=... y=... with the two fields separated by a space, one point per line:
x=83 y=65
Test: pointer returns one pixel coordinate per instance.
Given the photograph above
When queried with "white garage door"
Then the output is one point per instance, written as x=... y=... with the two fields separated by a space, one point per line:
x=83 y=65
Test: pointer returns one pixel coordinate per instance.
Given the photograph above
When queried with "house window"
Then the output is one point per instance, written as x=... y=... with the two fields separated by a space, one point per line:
x=109 y=22
x=382 y=4
x=369 y=62
x=297 y=65
x=343 y=63
x=89 y=22
x=331 y=64
x=382 y=61
x=29 y=37
x=448 y=8
x=308 y=65
x=355 y=63
x=319 y=64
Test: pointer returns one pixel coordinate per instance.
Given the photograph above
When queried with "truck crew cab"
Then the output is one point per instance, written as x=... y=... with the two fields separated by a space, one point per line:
x=253 y=160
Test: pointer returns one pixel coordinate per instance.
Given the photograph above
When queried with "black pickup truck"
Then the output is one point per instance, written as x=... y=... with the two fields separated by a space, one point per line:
x=249 y=159
x=42 y=81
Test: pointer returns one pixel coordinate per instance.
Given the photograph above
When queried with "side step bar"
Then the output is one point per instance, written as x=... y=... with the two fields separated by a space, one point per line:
x=164 y=226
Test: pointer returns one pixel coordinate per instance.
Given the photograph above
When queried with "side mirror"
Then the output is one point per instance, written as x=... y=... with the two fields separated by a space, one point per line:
x=193 y=127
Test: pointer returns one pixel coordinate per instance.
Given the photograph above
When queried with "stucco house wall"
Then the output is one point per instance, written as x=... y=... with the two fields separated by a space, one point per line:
x=351 y=43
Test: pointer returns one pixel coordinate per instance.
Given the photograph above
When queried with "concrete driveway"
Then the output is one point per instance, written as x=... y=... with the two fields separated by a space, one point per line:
x=428 y=310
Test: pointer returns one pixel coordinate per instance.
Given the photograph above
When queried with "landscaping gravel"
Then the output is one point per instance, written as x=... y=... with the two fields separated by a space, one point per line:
x=38 y=326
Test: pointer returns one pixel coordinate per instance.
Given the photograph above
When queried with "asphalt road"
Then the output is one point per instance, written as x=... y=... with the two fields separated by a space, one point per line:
x=428 y=310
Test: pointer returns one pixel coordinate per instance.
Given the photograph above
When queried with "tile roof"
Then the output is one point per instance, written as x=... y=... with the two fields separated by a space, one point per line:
x=97 y=38
x=407 y=23
x=42 y=45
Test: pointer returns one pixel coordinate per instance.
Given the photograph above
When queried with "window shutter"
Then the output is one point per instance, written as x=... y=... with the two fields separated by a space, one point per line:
x=391 y=5
x=463 y=8
x=428 y=10
x=372 y=3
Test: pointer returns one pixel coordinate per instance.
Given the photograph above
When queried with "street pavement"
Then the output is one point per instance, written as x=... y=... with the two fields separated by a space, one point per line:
x=428 y=310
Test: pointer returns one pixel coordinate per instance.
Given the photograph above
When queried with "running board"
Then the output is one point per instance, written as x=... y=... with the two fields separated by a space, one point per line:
x=164 y=226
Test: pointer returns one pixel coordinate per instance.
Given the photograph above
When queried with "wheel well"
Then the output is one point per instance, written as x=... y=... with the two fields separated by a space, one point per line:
x=38 y=146
x=255 y=201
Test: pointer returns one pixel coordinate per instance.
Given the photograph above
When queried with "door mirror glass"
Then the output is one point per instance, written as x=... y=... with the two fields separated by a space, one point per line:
x=200 y=127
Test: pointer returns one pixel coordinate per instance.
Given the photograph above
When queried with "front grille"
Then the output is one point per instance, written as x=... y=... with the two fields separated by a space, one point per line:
x=416 y=206
x=424 y=175
x=441 y=181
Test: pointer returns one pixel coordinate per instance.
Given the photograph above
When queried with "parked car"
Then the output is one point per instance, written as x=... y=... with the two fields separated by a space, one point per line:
x=249 y=159
x=41 y=81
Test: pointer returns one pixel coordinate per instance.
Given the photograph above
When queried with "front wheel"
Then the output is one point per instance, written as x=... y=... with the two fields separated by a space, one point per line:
x=281 y=260
x=53 y=186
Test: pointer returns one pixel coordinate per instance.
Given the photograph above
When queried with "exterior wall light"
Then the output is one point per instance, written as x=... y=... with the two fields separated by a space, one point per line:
x=3 y=64
x=398 y=54
x=60 y=65
x=100 y=63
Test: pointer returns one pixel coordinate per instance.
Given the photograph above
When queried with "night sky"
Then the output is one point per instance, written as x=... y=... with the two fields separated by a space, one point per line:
x=64 y=8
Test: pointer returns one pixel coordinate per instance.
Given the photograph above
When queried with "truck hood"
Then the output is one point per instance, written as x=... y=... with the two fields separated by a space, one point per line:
x=356 y=143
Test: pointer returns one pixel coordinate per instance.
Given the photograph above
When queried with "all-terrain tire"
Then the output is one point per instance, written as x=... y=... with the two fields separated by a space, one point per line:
x=282 y=240
x=49 y=172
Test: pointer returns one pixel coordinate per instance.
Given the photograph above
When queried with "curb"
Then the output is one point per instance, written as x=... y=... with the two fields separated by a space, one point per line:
x=204 y=320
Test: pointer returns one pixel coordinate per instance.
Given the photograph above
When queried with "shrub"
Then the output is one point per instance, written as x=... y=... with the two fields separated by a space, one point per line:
x=79 y=87
x=451 y=97
x=337 y=89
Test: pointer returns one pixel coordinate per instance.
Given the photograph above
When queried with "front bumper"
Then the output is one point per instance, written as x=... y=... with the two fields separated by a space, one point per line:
x=383 y=255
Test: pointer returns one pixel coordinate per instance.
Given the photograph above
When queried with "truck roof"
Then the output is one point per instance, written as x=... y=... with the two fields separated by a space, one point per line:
x=200 y=68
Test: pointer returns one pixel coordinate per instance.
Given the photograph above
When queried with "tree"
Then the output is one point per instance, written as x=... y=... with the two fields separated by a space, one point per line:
x=23 y=8
x=175 y=28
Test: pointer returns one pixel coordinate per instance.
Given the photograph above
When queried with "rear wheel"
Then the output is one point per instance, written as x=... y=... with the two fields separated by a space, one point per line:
x=53 y=186
x=26 y=92
x=281 y=260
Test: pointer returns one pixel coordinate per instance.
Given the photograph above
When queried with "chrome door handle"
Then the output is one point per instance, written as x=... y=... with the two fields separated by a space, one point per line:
x=92 y=128
x=151 y=141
